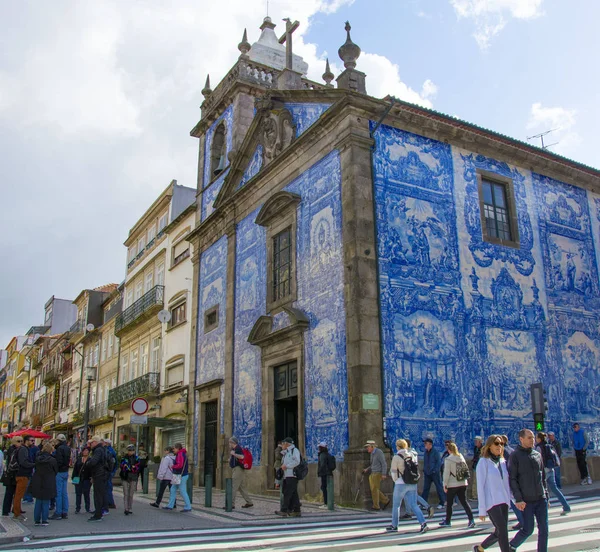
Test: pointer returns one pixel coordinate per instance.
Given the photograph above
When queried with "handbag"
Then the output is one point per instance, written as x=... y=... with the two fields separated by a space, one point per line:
x=176 y=479
x=75 y=480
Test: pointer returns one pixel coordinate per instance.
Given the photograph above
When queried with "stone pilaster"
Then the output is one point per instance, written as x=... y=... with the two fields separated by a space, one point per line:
x=243 y=115
x=229 y=328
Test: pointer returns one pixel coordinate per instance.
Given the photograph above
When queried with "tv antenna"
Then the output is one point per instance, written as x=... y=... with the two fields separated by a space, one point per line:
x=541 y=137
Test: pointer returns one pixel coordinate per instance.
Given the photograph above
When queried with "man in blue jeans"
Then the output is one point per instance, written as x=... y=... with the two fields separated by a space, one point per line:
x=528 y=486
x=29 y=442
x=432 y=464
x=62 y=454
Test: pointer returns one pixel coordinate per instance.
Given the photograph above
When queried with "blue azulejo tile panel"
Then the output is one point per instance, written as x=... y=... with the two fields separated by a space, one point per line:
x=250 y=301
x=227 y=118
x=321 y=296
x=209 y=195
x=305 y=115
x=210 y=361
x=253 y=167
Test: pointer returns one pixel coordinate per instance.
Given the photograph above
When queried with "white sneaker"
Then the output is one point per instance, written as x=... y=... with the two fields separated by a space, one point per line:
x=441 y=507
x=323 y=507
x=583 y=482
x=589 y=480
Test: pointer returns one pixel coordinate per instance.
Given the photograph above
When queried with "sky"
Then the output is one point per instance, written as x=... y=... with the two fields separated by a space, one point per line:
x=97 y=99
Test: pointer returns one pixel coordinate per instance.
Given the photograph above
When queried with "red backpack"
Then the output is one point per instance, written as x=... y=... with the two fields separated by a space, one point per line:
x=247 y=461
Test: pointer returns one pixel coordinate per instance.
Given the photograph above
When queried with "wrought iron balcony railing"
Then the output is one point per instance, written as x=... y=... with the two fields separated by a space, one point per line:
x=144 y=305
x=77 y=330
x=98 y=411
x=146 y=385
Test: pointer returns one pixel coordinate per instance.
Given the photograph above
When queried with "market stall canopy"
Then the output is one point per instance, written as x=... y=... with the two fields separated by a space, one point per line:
x=31 y=432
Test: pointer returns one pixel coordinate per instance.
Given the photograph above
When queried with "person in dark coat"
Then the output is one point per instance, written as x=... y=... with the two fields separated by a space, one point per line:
x=98 y=472
x=9 y=479
x=325 y=468
x=43 y=484
x=81 y=472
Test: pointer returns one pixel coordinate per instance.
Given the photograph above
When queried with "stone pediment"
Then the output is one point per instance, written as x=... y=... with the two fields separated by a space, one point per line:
x=275 y=205
x=272 y=328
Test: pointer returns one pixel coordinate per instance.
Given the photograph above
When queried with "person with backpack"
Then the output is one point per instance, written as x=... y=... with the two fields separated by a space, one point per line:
x=456 y=479
x=238 y=472
x=550 y=460
x=111 y=462
x=405 y=474
x=291 y=500
x=9 y=478
x=130 y=473
x=494 y=493
x=325 y=467
x=63 y=459
x=43 y=484
x=179 y=479
x=23 y=475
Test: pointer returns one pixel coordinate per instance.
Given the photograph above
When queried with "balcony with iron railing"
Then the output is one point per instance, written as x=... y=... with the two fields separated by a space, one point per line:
x=147 y=385
x=98 y=412
x=141 y=310
x=77 y=330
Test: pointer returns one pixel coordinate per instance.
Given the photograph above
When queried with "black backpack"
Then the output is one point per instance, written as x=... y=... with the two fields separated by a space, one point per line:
x=411 y=473
x=110 y=462
x=301 y=470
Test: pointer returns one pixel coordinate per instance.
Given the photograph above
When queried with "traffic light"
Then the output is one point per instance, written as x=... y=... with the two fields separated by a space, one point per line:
x=539 y=405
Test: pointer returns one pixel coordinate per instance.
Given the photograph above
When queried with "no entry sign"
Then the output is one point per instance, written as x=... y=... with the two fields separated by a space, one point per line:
x=139 y=406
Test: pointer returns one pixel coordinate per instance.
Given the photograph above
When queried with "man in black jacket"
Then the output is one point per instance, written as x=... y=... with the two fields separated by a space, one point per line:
x=97 y=465
x=62 y=454
x=325 y=468
x=23 y=474
x=528 y=485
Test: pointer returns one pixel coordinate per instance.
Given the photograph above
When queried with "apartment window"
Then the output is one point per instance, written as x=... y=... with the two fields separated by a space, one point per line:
x=124 y=367
x=143 y=358
x=103 y=350
x=148 y=281
x=160 y=274
x=139 y=289
x=282 y=265
x=162 y=222
x=95 y=354
x=155 y=358
x=130 y=254
x=181 y=251
x=151 y=233
x=175 y=374
x=178 y=315
x=110 y=345
x=141 y=244
x=48 y=314
x=211 y=319
x=498 y=213
x=133 y=372
x=129 y=298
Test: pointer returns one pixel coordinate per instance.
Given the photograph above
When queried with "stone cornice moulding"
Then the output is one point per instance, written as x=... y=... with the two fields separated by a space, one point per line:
x=262 y=334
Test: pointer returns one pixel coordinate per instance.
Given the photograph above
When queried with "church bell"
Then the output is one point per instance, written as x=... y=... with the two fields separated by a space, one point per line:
x=220 y=166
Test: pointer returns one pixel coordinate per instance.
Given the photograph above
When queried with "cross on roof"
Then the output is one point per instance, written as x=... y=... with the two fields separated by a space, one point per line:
x=287 y=38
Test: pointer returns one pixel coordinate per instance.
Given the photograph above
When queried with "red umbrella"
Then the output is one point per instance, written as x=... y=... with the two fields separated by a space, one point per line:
x=31 y=432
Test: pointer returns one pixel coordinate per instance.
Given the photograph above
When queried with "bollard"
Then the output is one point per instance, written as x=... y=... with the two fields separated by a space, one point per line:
x=228 y=494
x=145 y=482
x=208 y=490
x=190 y=485
x=330 y=492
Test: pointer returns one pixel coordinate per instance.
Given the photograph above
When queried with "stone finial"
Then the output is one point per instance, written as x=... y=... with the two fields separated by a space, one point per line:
x=349 y=52
x=244 y=45
x=328 y=76
x=206 y=91
x=267 y=24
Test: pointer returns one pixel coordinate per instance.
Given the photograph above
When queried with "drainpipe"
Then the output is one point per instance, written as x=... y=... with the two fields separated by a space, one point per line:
x=372 y=134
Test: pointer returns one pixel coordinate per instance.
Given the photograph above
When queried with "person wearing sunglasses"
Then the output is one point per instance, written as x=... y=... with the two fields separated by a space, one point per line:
x=493 y=490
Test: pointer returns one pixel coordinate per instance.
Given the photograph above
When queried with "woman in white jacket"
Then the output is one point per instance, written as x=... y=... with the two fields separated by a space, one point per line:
x=455 y=487
x=164 y=475
x=493 y=491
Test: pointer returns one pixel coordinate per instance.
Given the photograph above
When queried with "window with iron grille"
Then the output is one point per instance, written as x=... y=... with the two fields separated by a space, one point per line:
x=282 y=265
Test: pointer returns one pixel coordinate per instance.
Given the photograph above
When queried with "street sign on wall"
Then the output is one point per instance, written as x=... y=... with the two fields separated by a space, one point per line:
x=141 y=420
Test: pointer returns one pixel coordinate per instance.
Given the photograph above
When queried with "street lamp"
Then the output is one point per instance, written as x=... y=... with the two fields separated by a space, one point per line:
x=90 y=376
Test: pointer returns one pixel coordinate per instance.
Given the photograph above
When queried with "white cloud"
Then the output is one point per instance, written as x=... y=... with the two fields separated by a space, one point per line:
x=559 y=119
x=490 y=16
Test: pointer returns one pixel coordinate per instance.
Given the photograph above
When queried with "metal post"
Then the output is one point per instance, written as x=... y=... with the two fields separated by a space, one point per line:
x=137 y=439
x=145 y=477
x=86 y=416
x=228 y=494
x=208 y=484
x=330 y=492
x=190 y=483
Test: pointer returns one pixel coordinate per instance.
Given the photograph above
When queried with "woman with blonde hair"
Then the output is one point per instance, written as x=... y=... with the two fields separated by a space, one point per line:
x=456 y=474
x=493 y=490
x=404 y=488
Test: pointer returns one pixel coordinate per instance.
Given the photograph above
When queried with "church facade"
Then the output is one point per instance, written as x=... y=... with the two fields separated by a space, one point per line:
x=370 y=269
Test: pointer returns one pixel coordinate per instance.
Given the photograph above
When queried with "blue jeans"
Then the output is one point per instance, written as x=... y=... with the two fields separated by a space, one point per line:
x=182 y=488
x=409 y=494
x=62 y=494
x=41 y=510
x=534 y=510
x=558 y=480
x=517 y=512
x=110 y=499
x=551 y=481
x=420 y=500
x=437 y=481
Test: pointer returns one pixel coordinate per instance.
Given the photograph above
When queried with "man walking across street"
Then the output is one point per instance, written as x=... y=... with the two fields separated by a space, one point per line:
x=431 y=468
x=111 y=454
x=97 y=466
x=238 y=473
x=291 y=500
x=377 y=471
x=581 y=441
x=63 y=458
x=23 y=475
x=528 y=486
x=555 y=444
